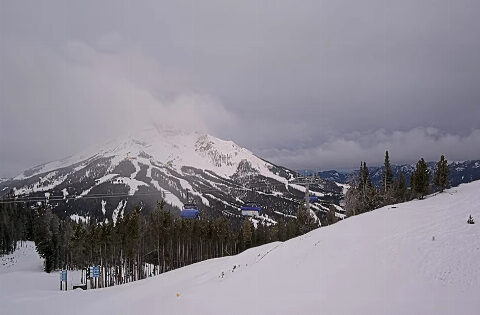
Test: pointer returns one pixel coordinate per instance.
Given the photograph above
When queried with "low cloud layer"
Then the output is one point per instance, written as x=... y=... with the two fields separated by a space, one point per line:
x=404 y=147
x=78 y=96
x=304 y=84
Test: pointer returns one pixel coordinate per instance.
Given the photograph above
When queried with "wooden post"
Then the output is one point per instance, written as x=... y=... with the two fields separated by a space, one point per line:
x=91 y=279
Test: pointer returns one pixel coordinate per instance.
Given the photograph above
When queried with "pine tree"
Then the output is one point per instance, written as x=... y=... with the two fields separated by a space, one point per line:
x=15 y=225
x=353 y=201
x=247 y=233
x=331 y=216
x=55 y=241
x=400 y=188
x=421 y=179
x=43 y=238
x=292 y=229
x=362 y=195
x=367 y=190
x=156 y=231
x=364 y=178
x=442 y=173
x=281 y=231
x=305 y=221
x=387 y=176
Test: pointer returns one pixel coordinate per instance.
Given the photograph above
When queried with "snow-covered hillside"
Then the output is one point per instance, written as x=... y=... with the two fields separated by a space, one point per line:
x=166 y=164
x=419 y=257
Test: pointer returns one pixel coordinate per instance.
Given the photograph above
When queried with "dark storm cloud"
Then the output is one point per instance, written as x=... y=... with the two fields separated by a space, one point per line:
x=302 y=83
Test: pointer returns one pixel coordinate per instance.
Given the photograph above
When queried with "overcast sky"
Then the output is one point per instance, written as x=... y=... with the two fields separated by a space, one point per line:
x=300 y=83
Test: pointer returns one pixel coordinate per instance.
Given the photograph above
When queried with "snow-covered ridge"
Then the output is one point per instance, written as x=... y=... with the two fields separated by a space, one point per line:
x=166 y=147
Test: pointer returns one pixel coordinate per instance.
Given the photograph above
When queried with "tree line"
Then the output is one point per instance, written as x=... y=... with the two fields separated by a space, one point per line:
x=363 y=196
x=142 y=245
x=15 y=226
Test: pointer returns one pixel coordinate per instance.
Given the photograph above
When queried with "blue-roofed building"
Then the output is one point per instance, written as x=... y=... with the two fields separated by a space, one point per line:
x=312 y=199
x=251 y=210
x=190 y=211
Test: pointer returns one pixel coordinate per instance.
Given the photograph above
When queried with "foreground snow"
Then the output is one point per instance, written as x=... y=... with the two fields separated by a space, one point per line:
x=419 y=257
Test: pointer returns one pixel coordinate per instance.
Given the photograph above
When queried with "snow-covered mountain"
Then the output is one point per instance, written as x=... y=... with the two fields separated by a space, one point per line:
x=157 y=163
x=419 y=257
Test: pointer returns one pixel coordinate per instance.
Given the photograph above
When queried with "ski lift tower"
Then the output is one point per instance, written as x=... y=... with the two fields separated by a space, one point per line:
x=305 y=181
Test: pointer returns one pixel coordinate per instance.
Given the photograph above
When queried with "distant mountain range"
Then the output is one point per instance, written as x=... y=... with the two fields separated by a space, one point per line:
x=460 y=172
x=157 y=164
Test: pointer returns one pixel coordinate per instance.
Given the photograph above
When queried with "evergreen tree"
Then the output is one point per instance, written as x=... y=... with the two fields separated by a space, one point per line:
x=353 y=201
x=292 y=229
x=157 y=233
x=15 y=224
x=400 y=188
x=387 y=175
x=305 y=221
x=55 y=241
x=43 y=237
x=281 y=231
x=362 y=195
x=331 y=216
x=77 y=246
x=442 y=173
x=368 y=191
x=421 y=179
x=365 y=181
x=247 y=234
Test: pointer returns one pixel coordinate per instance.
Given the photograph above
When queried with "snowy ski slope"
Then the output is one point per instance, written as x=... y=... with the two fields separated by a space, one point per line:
x=419 y=257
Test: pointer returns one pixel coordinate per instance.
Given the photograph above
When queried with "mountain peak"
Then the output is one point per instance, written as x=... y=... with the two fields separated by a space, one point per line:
x=157 y=163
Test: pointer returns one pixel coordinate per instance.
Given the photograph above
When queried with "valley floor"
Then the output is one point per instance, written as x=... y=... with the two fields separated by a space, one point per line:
x=419 y=257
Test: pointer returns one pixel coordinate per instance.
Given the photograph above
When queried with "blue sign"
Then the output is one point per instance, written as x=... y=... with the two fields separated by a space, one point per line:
x=63 y=275
x=95 y=271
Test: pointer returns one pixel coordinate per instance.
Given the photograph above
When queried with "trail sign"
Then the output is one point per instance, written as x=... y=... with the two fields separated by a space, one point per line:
x=63 y=275
x=63 y=278
x=93 y=275
x=94 y=271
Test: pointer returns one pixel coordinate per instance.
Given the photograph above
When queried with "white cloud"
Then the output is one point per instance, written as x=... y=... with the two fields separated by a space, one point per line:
x=57 y=102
